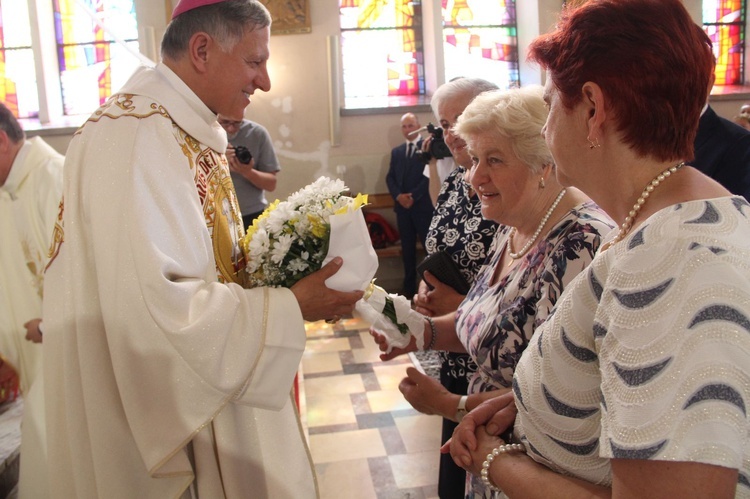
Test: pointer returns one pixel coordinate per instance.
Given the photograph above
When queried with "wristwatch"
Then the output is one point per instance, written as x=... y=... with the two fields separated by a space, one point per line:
x=461 y=409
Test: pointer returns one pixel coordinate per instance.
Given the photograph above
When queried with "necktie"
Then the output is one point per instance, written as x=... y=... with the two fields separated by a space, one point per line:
x=409 y=149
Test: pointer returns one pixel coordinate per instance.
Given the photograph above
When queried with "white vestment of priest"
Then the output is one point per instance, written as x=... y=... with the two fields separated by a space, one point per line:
x=29 y=201
x=164 y=376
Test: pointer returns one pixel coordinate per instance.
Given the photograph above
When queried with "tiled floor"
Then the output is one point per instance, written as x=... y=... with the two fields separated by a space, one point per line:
x=367 y=442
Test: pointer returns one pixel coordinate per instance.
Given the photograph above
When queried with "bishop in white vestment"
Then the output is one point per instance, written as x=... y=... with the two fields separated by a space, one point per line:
x=176 y=362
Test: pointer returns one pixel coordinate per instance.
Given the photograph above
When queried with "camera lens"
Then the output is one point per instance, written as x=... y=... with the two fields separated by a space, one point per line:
x=243 y=155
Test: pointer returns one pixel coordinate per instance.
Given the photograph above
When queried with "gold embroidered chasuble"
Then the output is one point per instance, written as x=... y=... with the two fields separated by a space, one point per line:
x=171 y=378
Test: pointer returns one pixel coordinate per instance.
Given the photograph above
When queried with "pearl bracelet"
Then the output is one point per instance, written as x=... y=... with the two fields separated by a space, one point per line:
x=502 y=449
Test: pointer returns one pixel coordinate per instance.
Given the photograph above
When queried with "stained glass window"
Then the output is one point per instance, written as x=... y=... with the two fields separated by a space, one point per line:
x=381 y=47
x=92 y=63
x=17 y=74
x=724 y=22
x=481 y=40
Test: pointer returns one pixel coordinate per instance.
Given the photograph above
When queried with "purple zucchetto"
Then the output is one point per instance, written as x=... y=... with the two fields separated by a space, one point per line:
x=186 y=5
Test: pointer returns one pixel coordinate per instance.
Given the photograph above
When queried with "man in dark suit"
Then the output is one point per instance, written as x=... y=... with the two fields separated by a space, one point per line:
x=722 y=150
x=410 y=190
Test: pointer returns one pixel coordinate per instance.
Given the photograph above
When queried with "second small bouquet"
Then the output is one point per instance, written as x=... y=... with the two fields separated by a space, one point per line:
x=392 y=315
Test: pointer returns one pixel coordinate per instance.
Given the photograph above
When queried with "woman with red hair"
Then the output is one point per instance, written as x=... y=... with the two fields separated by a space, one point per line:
x=639 y=384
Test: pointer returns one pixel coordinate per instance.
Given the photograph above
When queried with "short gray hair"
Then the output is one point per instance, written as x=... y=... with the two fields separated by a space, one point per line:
x=518 y=114
x=226 y=22
x=459 y=87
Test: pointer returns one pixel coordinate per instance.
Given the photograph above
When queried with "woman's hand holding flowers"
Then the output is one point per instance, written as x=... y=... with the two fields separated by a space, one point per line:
x=391 y=317
x=389 y=352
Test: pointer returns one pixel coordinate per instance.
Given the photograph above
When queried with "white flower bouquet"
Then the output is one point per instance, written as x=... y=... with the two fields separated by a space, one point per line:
x=294 y=238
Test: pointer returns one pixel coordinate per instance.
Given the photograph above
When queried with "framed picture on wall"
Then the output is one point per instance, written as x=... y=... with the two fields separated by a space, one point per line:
x=289 y=16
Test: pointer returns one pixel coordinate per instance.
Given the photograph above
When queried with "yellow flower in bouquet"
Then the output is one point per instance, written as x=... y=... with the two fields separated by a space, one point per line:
x=290 y=240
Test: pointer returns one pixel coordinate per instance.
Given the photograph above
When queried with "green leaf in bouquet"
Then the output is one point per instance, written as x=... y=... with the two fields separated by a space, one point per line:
x=389 y=310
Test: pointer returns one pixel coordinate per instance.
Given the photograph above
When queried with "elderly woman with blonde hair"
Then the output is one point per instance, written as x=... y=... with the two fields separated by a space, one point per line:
x=549 y=234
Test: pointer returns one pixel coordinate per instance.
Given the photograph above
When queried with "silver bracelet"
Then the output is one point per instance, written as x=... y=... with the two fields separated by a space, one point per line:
x=502 y=449
x=434 y=333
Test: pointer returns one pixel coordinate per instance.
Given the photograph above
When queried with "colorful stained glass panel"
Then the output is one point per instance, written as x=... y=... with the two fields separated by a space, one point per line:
x=17 y=73
x=92 y=65
x=481 y=40
x=378 y=14
x=379 y=63
x=479 y=12
x=381 y=48
x=724 y=22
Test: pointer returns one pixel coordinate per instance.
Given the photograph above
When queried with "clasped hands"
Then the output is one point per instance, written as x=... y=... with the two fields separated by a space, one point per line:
x=405 y=199
x=478 y=433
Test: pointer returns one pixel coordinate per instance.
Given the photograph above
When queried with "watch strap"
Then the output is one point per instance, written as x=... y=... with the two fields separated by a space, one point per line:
x=461 y=409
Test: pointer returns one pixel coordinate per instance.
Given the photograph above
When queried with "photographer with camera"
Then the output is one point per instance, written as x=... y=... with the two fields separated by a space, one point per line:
x=437 y=158
x=252 y=164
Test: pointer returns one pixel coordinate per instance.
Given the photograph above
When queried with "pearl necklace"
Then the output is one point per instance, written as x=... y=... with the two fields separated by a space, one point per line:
x=527 y=246
x=628 y=223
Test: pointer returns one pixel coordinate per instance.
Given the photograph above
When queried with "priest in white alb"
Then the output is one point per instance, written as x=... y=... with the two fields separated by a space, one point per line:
x=30 y=188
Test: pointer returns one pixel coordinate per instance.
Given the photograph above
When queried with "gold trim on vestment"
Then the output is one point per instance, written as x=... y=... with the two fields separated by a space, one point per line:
x=125 y=103
x=304 y=444
x=58 y=236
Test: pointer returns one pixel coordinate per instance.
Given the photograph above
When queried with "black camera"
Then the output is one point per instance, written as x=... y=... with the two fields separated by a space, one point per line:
x=438 y=148
x=243 y=155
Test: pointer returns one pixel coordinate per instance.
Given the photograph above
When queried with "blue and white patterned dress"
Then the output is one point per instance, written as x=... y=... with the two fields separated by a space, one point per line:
x=647 y=355
x=458 y=229
x=496 y=321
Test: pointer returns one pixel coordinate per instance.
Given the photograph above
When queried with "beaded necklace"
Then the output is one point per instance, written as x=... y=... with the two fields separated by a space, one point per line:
x=527 y=246
x=628 y=223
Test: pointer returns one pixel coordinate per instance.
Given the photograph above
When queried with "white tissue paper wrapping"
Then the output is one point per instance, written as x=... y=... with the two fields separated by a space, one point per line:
x=350 y=240
x=371 y=309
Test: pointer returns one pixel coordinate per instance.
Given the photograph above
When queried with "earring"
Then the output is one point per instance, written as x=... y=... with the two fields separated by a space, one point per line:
x=541 y=183
x=593 y=144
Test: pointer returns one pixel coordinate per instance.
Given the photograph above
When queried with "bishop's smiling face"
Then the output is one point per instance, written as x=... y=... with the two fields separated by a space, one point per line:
x=236 y=74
